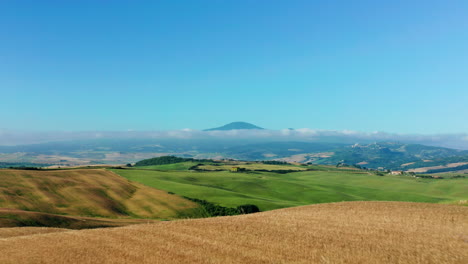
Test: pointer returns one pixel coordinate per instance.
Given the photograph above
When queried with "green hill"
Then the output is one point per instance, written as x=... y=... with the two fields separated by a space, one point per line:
x=320 y=184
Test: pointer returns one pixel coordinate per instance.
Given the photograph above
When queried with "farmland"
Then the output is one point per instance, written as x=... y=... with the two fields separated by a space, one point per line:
x=14 y=218
x=133 y=200
x=27 y=231
x=251 y=166
x=82 y=193
x=345 y=232
x=319 y=184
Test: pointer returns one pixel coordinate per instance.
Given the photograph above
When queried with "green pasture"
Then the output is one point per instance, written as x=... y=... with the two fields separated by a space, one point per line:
x=270 y=190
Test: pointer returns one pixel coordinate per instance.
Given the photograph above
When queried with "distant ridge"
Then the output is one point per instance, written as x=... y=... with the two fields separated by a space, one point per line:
x=235 y=125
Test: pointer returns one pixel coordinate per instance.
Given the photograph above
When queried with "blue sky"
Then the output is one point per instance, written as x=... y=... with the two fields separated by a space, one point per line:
x=395 y=66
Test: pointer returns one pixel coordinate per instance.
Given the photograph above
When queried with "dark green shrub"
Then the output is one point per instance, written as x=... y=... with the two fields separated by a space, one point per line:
x=248 y=209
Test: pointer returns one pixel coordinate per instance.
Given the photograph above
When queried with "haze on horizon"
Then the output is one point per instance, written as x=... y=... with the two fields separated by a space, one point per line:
x=236 y=132
x=399 y=67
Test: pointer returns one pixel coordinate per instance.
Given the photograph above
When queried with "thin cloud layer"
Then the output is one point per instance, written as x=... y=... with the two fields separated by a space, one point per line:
x=458 y=141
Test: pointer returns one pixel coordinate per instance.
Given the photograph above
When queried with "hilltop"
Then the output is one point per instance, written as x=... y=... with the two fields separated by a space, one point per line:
x=235 y=125
x=346 y=232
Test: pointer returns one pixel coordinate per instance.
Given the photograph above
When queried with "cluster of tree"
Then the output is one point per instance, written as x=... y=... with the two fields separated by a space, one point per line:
x=274 y=162
x=167 y=160
x=217 y=210
x=21 y=165
x=428 y=177
x=25 y=168
x=280 y=171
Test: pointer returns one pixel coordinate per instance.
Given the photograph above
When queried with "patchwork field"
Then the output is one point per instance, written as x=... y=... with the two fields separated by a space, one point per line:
x=253 y=167
x=81 y=193
x=226 y=165
x=347 y=232
x=324 y=184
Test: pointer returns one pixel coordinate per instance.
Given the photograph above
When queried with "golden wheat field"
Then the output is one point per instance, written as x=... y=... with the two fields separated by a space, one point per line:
x=27 y=231
x=347 y=232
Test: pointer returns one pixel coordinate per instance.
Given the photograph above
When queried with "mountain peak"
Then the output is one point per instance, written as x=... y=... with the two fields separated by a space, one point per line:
x=235 y=125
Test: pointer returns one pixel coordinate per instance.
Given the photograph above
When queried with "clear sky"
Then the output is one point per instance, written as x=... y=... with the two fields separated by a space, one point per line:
x=395 y=66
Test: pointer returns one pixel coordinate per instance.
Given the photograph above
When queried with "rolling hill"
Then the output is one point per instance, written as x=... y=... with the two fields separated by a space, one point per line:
x=14 y=218
x=345 y=232
x=278 y=186
x=45 y=197
x=392 y=155
x=384 y=155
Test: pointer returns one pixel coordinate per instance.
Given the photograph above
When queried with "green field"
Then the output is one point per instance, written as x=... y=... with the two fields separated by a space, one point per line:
x=270 y=190
x=251 y=166
x=182 y=166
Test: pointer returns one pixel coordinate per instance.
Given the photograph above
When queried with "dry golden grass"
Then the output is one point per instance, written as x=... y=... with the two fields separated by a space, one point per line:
x=86 y=192
x=28 y=231
x=348 y=232
x=20 y=218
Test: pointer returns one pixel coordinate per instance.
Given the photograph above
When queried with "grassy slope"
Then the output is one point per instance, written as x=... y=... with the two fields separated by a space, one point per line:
x=350 y=232
x=86 y=192
x=14 y=218
x=271 y=190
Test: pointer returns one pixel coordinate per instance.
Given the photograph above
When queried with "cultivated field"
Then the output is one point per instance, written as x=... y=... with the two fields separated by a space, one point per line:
x=348 y=232
x=325 y=184
x=82 y=192
x=27 y=231
x=253 y=167
x=20 y=218
x=450 y=165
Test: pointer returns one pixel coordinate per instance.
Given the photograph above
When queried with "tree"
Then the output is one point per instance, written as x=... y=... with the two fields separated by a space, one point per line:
x=248 y=209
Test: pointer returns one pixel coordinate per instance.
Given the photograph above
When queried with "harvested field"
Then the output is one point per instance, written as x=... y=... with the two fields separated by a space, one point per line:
x=86 y=192
x=28 y=231
x=19 y=218
x=347 y=232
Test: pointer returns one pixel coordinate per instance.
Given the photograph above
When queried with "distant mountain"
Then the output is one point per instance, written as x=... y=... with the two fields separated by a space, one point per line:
x=235 y=125
x=392 y=155
x=384 y=155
